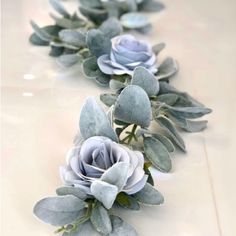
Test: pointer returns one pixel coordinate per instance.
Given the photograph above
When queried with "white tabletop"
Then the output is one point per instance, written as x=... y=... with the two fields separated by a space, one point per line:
x=40 y=114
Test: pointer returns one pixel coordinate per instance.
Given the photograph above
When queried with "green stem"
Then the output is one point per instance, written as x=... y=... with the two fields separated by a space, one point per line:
x=130 y=135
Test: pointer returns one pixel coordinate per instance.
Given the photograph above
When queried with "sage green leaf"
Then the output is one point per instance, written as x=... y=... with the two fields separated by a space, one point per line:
x=121 y=228
x=130 y=5
x=68 y=190
x=116 y=84
x=104 y=192
x=98 y=43
x=145 y=30
x=85 y=229
x=189 y=125
x=166 y=124
x=67 y=23
x=91 y=3
x=41 y=32
x=36 y=40
x=184 y=99
x=59 y=8
x=101 y=220
x=168 y=98
x=56 y=51
x=157 y=48
x=168 y=68
x=94 y=14
x=50 y=29
x=134 y=20
x=149 y=195
x=146 y=80
x=157 y=154
x=108 y=99
x=59 y=210
x=68 y=60
x=103 y=79
x=189 y=112
x=127 y=201
x=195 y=126
x=75 y=38
x=111 y=27
x=165 y=141
x=151 y=6
x=94 y=121
x=90 y=67
x=133 y=106
x=112 y=8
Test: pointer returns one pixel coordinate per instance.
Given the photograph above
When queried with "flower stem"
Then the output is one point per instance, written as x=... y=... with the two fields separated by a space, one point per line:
x=130 y=135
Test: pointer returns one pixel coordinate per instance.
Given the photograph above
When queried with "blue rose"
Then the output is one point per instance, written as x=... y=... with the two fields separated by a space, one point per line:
x=126 y=54
x=103 y=168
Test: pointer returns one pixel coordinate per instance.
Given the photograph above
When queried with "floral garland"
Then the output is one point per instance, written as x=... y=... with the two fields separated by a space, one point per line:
x=108 y=166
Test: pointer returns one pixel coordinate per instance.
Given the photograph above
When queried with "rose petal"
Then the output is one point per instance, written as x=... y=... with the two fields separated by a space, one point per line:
x=117 y=175
x=104 y=192
x=136 y=187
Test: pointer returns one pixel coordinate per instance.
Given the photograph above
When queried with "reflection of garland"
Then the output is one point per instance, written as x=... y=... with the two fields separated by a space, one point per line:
x=109 y=164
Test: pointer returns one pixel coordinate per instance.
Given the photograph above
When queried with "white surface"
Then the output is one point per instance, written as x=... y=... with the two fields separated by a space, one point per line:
x=41 y=105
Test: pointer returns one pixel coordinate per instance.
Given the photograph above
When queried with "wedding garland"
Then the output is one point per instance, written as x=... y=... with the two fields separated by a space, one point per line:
x=108 y=166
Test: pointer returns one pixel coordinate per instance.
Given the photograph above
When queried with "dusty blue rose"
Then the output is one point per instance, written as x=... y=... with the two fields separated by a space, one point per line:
x=126 y=54
x=100 y=163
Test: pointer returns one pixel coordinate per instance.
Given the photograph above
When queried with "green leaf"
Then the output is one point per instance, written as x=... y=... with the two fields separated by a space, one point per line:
x=91 y=3
x=68 y=60
x=189 y=112
x=168 y=68
x=94 y=121
x=101 y=220
x=166 y=124
x=133 y=106
x=98 y=43
x=127 y=201
x=59 y=210
x=75 y=38
x=90 y=67
x=134 y=20
x=50 y=29
x=59 y=8
x=108 y=99
x=121 y=228
x=67 y=190
x=184 y=97
x=56 y=51
x=151 y=6
x=168 y=98
x=67 y=23
x=145 y=30
x=149 y=195
x=165 y=141
x=116 y=84
x=95 y=15
x=157 y=154
x=111 y=27
x=41 y=32
x=157 y=48
x=188 y=125
x=103 y=79
x=146 y=80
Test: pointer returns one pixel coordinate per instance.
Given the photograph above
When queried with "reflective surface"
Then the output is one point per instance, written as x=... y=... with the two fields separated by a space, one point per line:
x=41 y=104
